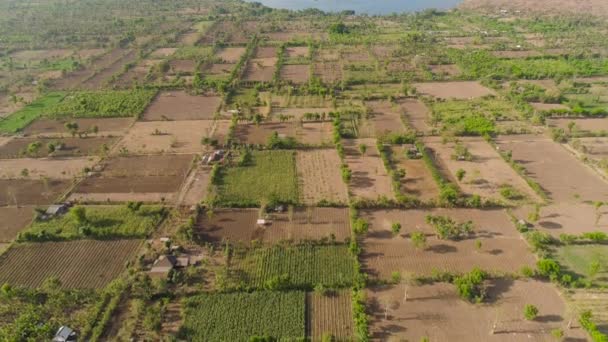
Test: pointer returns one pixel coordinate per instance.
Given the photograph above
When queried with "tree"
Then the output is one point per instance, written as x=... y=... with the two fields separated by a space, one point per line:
x=362 y=148
x=396 y=228
x=448 y=229
x=33 y=148
x=79 y=214
x=419 y=240
x=338 y=28
x=530 y=312
x=470 y=285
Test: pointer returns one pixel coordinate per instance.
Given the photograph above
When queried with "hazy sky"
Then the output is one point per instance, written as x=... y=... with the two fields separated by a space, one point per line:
x=362 y=6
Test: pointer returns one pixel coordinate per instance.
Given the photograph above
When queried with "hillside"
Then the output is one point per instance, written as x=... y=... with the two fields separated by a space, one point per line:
x=595 y=7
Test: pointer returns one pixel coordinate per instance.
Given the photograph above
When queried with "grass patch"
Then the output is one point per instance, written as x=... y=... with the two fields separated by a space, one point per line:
x=588 y=261
x=112 y=222
x=20 y=119
x=294 y=267
x=240 y=316
x=192 y=52
x=270 y=177
x=101 y=104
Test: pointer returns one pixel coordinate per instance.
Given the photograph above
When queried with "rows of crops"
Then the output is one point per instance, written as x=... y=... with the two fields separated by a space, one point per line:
x=296 y=266
x=99 y=104
x=77 y=264
x=240 y=316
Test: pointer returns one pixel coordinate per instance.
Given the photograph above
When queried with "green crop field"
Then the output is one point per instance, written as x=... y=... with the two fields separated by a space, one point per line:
x=295 y=266
x=580 y=259
x=270 y=177
x=97 y=222
x=100 y=104
x=20 y=119
x=240 y=316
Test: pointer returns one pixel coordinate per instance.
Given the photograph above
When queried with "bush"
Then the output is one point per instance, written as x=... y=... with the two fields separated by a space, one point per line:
x=530 y=312
x=470 y=285
x=448 y=229
x=548 y=268
x=396 y=228
x=419 y=240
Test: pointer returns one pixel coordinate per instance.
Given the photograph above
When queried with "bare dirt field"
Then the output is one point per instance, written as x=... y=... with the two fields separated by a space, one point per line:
x=581 y=125
x=297 y=74
x=77 y=264
x=453 y=90
x=266 y=52
x=319 y=177
x=485 y=174
x=502 y=249
x=77 y=77
x=16 y=192
x=163 y=52
x=106 y=127
x=189 y=38
x=231 y=54
x=56 y=168
x=567 y=218
x=219 y=69
x=544 y=161
x=196 y=186
x=386 y=118
x=147 y=178
x=182 y=66
x=101 y=78
x=8 y=107
x=437 y=312
x=260 y=69
x=595 y=148
x=418 y=181
x=328 y=72
x=417 y=114
x=14 y=219
x=65 y=147
x=329 y=315
x=369 y=177
x=309 y=133
x=179 y=105
x=38 y=55
x=239 y=226
x=167 y=136
x=297 y=52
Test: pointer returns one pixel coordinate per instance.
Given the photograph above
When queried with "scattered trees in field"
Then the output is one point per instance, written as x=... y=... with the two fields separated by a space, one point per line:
x=448 y=229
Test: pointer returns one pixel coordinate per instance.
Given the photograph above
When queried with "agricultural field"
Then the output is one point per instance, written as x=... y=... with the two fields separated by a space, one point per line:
x=238 y=316
x=271 y=175
x=152 y=178
x=86 y=264
x=493 y=245
x=240 y=226
x=226 y=171
x=369 y=177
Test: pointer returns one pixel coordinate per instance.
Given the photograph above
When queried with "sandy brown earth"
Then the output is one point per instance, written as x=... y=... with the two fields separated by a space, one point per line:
x=239 y=225
x=168 y=136
x=439 y=314
x=319 y=177
x=14 y=219
x=309 y=133
x=297 y=74
x=418 y=180
x=567 y=218
x=179 y=105
x=485 y=174
x=593 y=7
x=55 y=168
x=369 y=177
x=106 y=127
x=502 y=248
x=330 y=314
x=231 y=54
x=17 y=192
x=581 y=125
x=386 y=117
x=70 y=147
x=417 y=114
x=195 y=188
x=544 y=161
x=453 y=90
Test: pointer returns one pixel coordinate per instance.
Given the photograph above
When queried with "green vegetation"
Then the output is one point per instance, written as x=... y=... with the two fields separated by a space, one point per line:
x=193 y=52
x=530 y=312
x=270 y=178
x=470 y=286
x=20 y=119
x=96 y=222
x=100 y=104
x=448 y=229
x=586 y=322
x=294 y=267
x=587 y=261
x=242 y=316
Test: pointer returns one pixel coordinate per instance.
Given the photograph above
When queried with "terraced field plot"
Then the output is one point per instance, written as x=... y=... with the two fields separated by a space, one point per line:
x=369 y=177
x=77 y=264
x=14 y=219
x=179 y=105
x=55 y=147
x=319 y=177
x=105 y=127
x=16 y=192
x=45 y=168
x=453 y=90
x=330 y=314
x=308 y=133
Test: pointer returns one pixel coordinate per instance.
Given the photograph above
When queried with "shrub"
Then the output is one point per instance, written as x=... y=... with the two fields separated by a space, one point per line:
x=419 y=240
x=460 y=173
x=448 y=229
x=396 y=228
x=548 y=268
x=470 y=285
x=530 y=312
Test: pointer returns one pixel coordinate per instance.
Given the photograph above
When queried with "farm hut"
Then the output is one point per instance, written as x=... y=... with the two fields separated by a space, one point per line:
x=165 y=263
x=56 y=210
x=64 y=334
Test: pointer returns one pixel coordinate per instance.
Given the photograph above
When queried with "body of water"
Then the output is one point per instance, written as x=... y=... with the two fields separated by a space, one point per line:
x=362 y=6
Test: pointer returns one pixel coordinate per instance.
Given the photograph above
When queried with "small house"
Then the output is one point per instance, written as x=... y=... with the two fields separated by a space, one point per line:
x=165 y=263
x=64 y=334
x=56 y=210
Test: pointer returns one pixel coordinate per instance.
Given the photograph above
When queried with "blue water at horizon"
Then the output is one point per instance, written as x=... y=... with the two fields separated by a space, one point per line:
x=372 y=7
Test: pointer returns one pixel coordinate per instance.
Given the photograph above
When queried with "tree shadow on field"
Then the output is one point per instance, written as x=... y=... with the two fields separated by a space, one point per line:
x=549 y=318
x=442 y=249
x=550 y=225
x=495 y=251
x=495 y=288
x=361 y=180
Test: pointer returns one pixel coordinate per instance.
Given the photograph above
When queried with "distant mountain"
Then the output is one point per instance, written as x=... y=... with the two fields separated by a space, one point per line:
x=594 y=7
